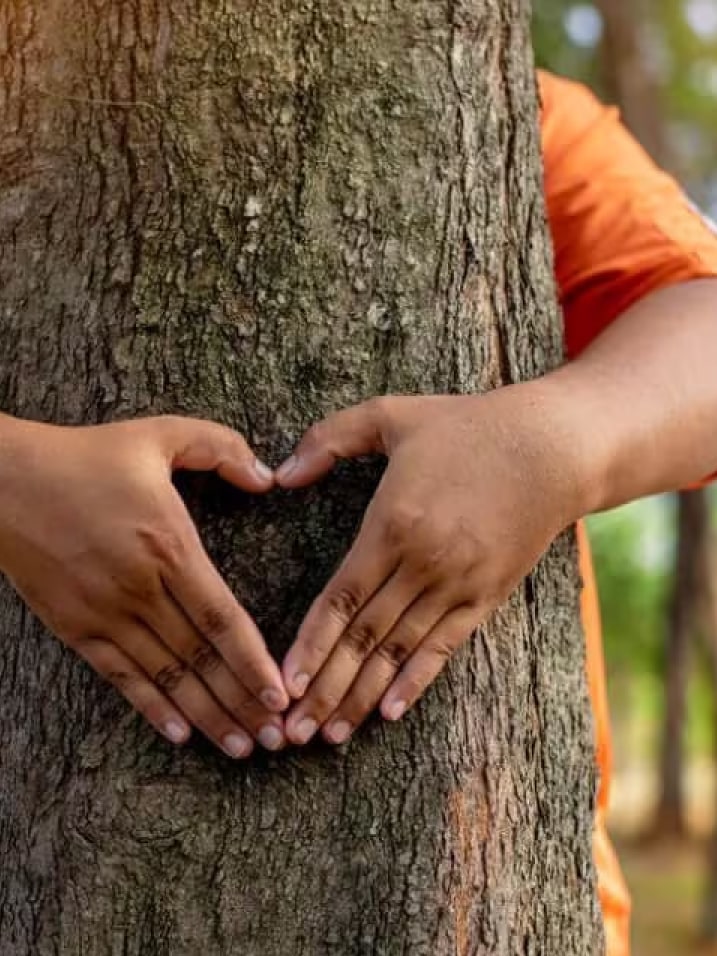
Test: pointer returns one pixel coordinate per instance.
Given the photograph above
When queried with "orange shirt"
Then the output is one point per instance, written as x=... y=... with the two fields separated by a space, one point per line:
x=621 y=229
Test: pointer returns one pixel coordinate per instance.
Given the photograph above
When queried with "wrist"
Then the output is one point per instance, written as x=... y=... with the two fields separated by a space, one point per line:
x=13 y=432
x=571 y=423
x=21 y=443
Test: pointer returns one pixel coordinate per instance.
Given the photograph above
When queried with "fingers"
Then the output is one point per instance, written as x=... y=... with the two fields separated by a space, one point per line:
x=362 y=573
x=424 y=666
x=363 y=637
x=199 y=590
x=381 y=667
x=120 y=670
x=182 y=639
x=172 y=678
x=194 y=582
x=346 y=434
x=356 y=677
x=198 y=445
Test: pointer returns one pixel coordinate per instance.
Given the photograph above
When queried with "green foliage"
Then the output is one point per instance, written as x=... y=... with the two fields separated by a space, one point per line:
x=554 y=49
x=634 y=546
x=679 y=40
x=633 y=550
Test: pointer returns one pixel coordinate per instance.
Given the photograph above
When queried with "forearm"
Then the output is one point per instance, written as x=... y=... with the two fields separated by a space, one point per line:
x=21 y=441
x=643 y=397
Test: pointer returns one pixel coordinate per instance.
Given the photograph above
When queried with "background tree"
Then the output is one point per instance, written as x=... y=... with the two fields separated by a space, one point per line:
x=637 y=90
x=658 y=61
x=257 y=213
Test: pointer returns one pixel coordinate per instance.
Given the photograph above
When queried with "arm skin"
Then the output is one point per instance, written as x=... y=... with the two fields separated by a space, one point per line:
x=97 y=540
x=648 y=388
x=475 y=490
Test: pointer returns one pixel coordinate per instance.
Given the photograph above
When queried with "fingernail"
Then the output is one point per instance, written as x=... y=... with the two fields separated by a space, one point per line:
x=175 y=731
x=300 y=683
x=396 y=710
x=305 y=730
x=270 y=737
x=339 y=732
x=262 y=470
x=287 y=468
x=237 y=745
x=273 y=700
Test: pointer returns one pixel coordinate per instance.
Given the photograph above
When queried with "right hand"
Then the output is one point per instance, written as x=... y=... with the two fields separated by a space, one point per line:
x=97 y=540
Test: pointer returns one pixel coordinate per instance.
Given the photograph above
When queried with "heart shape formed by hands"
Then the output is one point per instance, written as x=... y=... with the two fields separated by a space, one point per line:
x=458 y=520
x=103 y=549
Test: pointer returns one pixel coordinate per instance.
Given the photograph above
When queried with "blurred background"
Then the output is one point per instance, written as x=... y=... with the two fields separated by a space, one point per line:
x=657 y=571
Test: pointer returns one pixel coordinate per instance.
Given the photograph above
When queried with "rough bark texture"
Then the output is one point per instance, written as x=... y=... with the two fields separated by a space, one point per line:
x=258 y=212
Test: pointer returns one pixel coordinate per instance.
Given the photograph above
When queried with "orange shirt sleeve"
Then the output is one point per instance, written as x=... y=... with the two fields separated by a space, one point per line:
x=621 y=227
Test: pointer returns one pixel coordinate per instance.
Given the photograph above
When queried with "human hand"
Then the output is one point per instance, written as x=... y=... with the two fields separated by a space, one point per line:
x=475 y=490
x=97 y=540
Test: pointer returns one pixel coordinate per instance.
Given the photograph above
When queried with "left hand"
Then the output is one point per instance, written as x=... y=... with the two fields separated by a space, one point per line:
x=475 y=490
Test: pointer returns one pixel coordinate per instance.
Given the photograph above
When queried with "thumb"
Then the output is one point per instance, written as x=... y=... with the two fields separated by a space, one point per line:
x=197 y=445
x=346 y=434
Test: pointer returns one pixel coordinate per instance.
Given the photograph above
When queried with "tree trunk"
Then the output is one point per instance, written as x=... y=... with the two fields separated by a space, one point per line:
x=629 y=77
x=259 y=212
x=637 y=91
x=690 y=579
x=693 y=612
x=706 y=613
x=708 y=618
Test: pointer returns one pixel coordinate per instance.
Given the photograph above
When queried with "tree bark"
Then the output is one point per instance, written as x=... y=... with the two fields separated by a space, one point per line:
x=631 y=81
x=260 y=212
x=690 y=580
x=707 y=611
x=637 y=91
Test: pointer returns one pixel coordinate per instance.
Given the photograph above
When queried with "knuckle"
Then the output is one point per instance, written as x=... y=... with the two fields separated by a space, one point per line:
x=168 y=430
x=124 y=681
x=378 y=408
x=431 y=558
x=313 y=651
x=73 y=637
x=344 y=603
x=89 y=645
x=441 y=650
x=410 y=632
x=475 y=608
x=394 y=653
x=236 y=443
x=470 y=545
x=378 y=414
x=325 y=702
x=164 y=547
x=141 y=584
x=316 y=436
x=204 y=660
x=403 y=523
x=170 y=677
x=71 y=630
x=360 y=639
x=214 y=621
